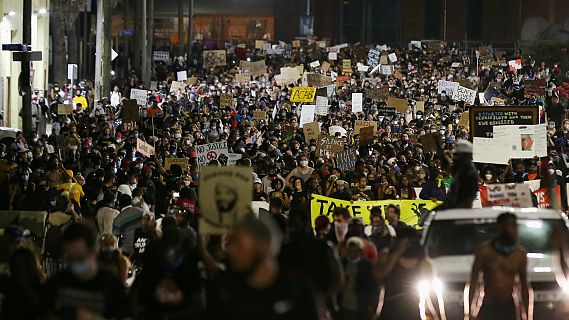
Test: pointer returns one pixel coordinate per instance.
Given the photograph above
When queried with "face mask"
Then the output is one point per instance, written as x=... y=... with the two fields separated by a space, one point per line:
x=177 y=135
x=488 y=176
x=304 y=163
x=551 y=171
x=566 y=126
x=25 y=177
x=132 y=186
x=187 y=183
x=135 y=201
x=421 y=175
x=81 y=269
x=551 y=126
x=354 y=261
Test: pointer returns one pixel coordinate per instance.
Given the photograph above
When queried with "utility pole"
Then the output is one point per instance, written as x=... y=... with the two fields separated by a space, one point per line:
x=24 y=81
x=190 y=30
x=99 y=48
x=106 y=59
x=144 y=43
x=180 y=28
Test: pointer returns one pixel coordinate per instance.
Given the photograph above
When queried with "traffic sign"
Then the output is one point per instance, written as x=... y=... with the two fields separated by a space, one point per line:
x=16 y=47
x=32 y=55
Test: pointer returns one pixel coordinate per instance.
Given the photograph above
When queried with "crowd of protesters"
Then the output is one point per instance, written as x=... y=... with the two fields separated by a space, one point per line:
x=118 y=219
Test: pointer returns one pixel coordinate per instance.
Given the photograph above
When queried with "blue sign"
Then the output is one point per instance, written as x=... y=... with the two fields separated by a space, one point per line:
x=127 y=33
x=16 y=47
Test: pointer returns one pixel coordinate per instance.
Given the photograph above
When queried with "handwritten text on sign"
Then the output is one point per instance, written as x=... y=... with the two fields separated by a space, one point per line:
x=212 y=151
x=303 y=94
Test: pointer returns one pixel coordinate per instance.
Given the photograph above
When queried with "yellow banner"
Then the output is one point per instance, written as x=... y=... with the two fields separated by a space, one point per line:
x=410 y=209
x=302 y=94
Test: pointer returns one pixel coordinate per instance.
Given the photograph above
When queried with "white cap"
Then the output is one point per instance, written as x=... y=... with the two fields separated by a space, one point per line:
x=257 y=181
x=391 y=161
x=462 y=146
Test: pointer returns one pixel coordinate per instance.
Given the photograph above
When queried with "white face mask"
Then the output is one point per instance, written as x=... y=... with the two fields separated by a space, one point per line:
x=132 y=186
x=304 y=163
x=488 y=176
x=177 y=135
x=187 y=183
x=551 y=171
x=421 y=175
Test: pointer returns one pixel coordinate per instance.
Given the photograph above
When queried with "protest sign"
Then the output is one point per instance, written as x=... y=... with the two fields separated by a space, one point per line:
x=259 y=115
x=315 y=64
x=383 y=60
x=144 y=148
x=332 y=56
x=242 y=78
x=357 y=102
x=192 y=81
x=464 y=94
x=420 y=106
x=303 y=94
x=410 y=210
x=429 y=142
x=256 y=68
x=232 y=158
x=306 y=114
x=534 y=88
x=139 y=95
x=321 y=106
x=64 y=109
x=212 y=151
x=259 y=44
x=177 y=86
x=182 y=75
x=386 y=112
x=362 y=124
x=226 y=100
x=329 y=146
x=522 y=142
x=386 y=69
x=544 y=200
x=161 y=56
x=515 y=64
x=506 y=195
x=366 y=135
x=377 y=95
x=182 y=162
x=485 y=151
x=392 y=57
x=400 y=105
x=311 y=131
x=214 y=58
x=341 y=80
x=130 y=111
x=373 y=58
x=464 y=121
x=225 y=196
x=296 y=43
x=346 y=66
x=346 y=159
x=333 y=130
x=483 y=119
x=363 y=68
x=317 y=80
x=325 y=66
x=446 y=86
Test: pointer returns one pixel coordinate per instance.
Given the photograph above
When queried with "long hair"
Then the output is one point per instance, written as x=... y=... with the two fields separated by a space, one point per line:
x=25 y=267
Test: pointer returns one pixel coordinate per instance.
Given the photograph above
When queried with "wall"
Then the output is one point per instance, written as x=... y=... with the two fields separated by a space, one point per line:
x=11 y=32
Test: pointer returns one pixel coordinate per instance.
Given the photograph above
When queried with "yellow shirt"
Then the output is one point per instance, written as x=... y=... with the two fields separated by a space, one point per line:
x=74 y=191
x=82 y=101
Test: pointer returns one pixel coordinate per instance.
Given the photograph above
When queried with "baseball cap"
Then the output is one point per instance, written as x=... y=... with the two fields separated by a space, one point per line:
x=257 y=181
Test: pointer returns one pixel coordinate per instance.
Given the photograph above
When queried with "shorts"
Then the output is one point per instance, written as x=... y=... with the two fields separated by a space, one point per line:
x=497 y=311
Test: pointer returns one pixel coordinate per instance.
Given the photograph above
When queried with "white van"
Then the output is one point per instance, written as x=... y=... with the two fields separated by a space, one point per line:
x=451 y=237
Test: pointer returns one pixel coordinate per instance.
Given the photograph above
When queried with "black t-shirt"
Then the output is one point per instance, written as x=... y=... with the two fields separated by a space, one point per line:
x=141 y=242
x=103 y=295
x=230 y=297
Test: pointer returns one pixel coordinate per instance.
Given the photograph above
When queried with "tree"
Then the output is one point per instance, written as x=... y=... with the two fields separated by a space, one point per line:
x=63 y=15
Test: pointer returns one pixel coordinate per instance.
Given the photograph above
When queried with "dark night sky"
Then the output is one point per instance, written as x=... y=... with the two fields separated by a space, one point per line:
x=237 y=7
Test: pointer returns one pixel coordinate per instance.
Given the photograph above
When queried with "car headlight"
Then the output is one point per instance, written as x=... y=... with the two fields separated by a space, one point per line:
x=425 y=287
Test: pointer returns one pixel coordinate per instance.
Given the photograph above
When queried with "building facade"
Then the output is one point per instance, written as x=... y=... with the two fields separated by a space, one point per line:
x=11 y=32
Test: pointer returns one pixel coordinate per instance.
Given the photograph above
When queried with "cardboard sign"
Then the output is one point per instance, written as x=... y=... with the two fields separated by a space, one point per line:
x=259 y=44
x=182 y=75
x=333 y=56
x=139 y=95
x=177 y=86
x=359 y=124
x=420 y=106
x=328 y=146
x=256 y=68
x=464 y=94
x=545 y=201
x=259 y=115
x=225 y=196
x=340 y=80
x=483 y=119
x=212 y=151
x=302 y=94
x=400 y=105
x=144 y=148
x=311 y=131
x=357 y=102
x=383 y=59
x=447 y=86
x=317 y=80
x=515 y=64
x=226 y=100
x=464 y=121
x=307 y=114
x=315 y=64
x=506 y=195
x=242 y=78
x=325 y=66
x=347 y=66
x=182 y=162
x=346 y=160
x=386 y=69
x=64 y=109
x=192 y=81
x=377 y=95
x=214 y=58
x=366 y=135
x=392 y=57
x=321 y=106
x=130 y=111
x=296 y=43
x=429 y=142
